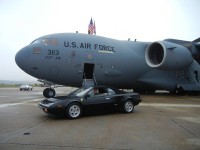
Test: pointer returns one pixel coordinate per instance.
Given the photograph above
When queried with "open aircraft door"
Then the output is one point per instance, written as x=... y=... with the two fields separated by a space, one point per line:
x=88 y=75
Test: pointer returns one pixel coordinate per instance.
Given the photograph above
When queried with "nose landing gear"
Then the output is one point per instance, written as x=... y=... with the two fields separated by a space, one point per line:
x=49 y=92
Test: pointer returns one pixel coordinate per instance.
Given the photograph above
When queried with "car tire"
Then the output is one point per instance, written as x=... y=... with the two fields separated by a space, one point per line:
x=128 y=106
x=74 y=111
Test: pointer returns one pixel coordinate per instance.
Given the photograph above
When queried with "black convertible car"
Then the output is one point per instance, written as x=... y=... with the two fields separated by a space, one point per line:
x=93 y=99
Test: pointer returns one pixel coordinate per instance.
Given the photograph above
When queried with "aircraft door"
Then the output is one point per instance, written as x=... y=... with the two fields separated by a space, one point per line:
x=88 y=77
x=88 y=71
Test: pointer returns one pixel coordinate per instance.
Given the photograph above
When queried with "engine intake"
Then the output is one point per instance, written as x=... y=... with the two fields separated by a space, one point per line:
x=166 y=55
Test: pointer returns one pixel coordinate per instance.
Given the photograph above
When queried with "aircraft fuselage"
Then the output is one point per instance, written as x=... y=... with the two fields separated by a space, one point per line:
x=68 y=58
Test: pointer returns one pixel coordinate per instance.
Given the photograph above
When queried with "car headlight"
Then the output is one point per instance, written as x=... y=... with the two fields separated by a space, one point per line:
x=46 y=104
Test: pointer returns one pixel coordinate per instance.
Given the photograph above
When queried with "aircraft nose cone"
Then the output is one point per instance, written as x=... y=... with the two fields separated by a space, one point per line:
x=22 y=58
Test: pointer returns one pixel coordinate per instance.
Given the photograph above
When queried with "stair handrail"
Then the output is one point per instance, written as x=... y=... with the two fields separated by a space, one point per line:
x=94 y=79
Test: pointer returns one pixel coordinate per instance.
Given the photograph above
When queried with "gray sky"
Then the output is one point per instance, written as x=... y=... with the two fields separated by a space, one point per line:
x=22 y=21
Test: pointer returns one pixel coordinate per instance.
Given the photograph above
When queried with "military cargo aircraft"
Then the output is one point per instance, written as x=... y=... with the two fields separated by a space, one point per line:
x=76 y=60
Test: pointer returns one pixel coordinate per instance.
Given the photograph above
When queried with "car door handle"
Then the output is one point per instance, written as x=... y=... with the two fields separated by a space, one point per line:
x=107 y=98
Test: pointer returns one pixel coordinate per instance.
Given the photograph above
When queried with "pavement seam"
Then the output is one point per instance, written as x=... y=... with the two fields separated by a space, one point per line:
x=183 y=127
x=61 y=146
x=19 y=103
x=24 y=130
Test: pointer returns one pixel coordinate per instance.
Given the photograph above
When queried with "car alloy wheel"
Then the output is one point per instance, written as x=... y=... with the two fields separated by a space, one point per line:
x=74 y=111
x=128 y=106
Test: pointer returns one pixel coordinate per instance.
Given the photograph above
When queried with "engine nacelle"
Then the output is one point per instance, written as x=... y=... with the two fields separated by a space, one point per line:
x=166 y=55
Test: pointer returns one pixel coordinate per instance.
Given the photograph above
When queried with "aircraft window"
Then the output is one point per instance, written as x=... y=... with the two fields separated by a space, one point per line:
x=48 y=41
x=35 y=41
x=45 y=41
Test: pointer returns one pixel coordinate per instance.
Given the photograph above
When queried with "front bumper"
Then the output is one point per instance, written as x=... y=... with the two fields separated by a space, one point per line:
x=56 y=111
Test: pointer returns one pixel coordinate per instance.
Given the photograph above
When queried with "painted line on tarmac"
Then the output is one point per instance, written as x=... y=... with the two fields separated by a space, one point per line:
x=4 y=96
x=170 y=105
x=21 y=103
x=6 y=105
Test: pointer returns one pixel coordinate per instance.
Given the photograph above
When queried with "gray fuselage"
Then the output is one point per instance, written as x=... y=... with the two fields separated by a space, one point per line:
x=68 y=58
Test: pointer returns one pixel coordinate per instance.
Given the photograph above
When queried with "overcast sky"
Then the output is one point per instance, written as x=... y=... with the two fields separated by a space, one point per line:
x=22 y=21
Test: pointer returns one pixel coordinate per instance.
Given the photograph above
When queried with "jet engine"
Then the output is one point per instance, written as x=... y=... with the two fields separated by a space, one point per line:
x=166 y=55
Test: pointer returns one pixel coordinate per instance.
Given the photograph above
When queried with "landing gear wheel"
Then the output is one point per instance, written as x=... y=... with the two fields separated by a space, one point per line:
x=180 y=90
x=48 y=93
x=128 y=106
x=74 y=111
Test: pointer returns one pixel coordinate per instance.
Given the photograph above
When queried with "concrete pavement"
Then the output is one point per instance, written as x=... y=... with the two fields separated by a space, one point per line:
x=160 y=122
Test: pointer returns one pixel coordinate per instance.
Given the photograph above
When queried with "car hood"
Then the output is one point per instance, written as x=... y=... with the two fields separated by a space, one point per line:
x=58 y=99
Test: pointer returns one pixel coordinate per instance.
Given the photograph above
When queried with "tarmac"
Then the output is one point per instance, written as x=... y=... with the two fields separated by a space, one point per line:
x=160 y=122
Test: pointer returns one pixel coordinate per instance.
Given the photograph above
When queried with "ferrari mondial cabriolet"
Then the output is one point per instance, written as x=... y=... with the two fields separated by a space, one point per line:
x=93 y=99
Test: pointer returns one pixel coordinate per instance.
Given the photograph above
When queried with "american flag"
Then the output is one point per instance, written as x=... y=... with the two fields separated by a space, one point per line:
x=91 y=27
x=94 y=28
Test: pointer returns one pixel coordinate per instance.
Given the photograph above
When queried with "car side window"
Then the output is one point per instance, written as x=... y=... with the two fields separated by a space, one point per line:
x=100 y=92
x=97 y=92
x=111 y=92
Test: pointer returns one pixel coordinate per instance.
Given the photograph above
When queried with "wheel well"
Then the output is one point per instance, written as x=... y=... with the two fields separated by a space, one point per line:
x=129 y=98
x=76 y=102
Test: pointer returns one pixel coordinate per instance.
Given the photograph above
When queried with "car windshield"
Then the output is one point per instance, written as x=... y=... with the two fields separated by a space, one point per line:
x=80 y=92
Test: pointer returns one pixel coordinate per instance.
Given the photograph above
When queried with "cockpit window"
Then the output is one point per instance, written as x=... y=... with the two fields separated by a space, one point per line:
x=46 y=41
x=50 y=41
x=35 y=41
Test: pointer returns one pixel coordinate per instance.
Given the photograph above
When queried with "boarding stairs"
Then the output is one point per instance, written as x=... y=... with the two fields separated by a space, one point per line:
x=88 y=82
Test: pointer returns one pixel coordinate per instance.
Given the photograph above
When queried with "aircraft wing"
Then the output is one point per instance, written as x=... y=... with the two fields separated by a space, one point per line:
x=187 y=44
x=193 y=46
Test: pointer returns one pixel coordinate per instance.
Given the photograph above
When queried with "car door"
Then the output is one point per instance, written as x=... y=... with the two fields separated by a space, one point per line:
x=98 y=102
